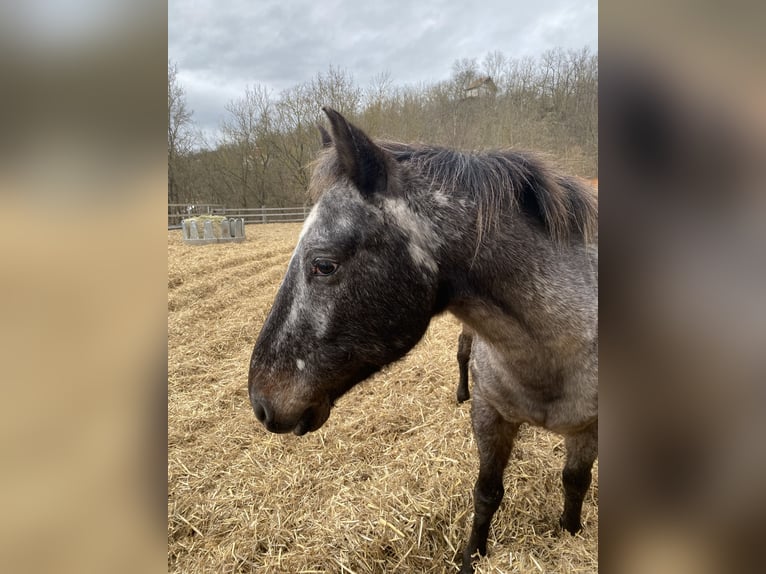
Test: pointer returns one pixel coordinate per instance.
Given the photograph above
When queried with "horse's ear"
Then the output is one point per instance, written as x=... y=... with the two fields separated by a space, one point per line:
x=326 y=139
x=360 y=159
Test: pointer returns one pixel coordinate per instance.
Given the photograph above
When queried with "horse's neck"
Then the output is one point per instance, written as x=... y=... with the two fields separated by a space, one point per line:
x=521 y=292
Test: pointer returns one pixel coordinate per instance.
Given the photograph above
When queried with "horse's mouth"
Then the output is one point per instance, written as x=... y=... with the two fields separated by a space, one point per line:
x=302 y=428
x=312 y=419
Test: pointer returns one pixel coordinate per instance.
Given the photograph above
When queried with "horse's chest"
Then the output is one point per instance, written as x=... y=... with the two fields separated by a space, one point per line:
x=556 y=402
x=513 y=401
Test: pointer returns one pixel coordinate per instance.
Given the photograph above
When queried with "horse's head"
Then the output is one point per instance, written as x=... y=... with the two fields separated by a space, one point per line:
x=359 y=291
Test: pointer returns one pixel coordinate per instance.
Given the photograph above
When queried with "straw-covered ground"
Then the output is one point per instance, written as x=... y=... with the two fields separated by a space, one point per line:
x=384 y=486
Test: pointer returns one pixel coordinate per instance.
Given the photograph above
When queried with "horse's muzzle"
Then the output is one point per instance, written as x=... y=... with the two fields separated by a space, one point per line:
x=309 y=420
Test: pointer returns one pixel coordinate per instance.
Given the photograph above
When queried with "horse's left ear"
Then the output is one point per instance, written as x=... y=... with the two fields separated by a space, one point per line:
x=326 y=139
x=363 y=162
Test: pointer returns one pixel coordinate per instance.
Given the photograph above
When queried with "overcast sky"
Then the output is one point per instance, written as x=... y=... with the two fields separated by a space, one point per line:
x=221 y=46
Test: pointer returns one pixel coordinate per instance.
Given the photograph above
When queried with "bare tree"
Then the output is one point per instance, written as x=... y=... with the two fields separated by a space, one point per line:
x=495 y=65
x=296 y=140
x=548 y=103
x=247 y=156
x=180 y=131
x=464 y=71
x=377 y=95
x=337 y=89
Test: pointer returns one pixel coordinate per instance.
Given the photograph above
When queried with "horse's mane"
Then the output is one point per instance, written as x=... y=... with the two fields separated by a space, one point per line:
x=496 y=181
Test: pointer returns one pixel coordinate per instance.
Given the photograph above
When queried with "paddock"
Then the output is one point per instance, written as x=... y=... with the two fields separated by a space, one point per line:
x=384 y=486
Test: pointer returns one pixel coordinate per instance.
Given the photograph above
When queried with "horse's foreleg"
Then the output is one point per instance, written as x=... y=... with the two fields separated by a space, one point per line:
x=494 y=437
x=464 y=343
x=582 y=450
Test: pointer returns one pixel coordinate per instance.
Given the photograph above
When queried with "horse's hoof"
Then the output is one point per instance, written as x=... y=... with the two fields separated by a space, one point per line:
x=572 y=526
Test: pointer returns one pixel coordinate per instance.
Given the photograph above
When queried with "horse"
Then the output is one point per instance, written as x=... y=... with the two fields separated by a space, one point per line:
x=464 y=343
x=400 y=233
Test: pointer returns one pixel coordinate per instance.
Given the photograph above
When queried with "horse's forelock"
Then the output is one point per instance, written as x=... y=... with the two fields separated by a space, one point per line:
x=324 y=173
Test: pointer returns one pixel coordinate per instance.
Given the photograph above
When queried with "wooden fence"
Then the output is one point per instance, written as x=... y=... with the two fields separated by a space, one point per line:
x=178 y=212
x=266 y=214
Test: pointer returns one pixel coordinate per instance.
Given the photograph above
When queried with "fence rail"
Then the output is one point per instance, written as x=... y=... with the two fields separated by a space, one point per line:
x=267 y=214
x=178 y=212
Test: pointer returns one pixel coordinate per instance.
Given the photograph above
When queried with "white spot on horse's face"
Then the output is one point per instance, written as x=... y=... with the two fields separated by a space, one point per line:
x=440 y=197
x=321 y=323
x=420 y=257
x=301 y=364
x=293 y=316
x=298 y=299
x=310 y=220
x=301 y=310
x=422 y=239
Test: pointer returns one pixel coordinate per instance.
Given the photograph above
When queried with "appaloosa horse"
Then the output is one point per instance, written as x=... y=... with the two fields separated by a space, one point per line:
x=400 y=233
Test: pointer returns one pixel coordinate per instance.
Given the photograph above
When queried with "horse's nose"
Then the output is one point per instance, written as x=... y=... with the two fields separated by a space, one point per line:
x=262 y=410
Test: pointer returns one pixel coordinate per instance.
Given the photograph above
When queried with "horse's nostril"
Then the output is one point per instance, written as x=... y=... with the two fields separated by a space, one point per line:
x=260 y=411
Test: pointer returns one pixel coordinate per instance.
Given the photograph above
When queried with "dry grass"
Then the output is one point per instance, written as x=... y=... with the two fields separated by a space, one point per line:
x=384 y=486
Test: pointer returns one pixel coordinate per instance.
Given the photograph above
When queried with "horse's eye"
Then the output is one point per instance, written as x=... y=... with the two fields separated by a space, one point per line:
x=323 y=267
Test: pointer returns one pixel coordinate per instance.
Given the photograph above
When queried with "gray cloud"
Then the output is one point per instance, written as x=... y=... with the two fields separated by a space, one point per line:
x=220 y=47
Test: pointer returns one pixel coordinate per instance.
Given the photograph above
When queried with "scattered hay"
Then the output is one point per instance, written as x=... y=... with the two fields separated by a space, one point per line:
x=384 y=486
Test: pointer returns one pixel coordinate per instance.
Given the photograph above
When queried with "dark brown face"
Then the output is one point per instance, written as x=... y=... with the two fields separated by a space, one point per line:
x=357 y=295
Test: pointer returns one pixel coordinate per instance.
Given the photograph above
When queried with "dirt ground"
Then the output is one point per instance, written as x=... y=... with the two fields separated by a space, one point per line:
x=384 y=486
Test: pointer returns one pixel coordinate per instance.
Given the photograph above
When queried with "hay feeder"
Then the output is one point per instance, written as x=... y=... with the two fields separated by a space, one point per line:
x=205 y=229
